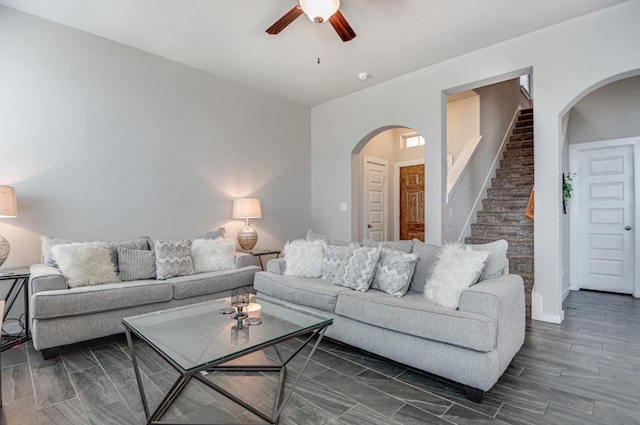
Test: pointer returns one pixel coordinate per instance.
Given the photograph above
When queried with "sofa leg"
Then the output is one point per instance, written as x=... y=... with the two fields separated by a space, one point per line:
x=474 y=394
x=49 y=353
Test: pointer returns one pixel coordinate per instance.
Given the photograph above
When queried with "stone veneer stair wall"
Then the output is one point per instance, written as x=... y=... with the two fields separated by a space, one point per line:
x=503 y=211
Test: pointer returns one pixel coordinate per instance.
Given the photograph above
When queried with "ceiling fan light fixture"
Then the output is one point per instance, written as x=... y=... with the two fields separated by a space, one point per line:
x=319 y=11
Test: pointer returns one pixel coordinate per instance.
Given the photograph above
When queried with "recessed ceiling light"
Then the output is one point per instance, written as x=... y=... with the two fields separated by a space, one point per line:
x=363 y=76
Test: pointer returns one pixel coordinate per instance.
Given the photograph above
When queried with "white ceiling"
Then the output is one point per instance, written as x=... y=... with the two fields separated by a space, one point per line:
x=227 y=37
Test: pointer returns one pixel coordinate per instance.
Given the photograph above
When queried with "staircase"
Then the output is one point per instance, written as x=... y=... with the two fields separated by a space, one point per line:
x=503 y=211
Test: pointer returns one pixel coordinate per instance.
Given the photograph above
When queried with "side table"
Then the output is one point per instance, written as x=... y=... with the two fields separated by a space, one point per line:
x=18 y=279
x=260 y=252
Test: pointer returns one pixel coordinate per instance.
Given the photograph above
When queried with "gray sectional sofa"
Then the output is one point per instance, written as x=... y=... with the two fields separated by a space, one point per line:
x=471 y=345
x=61 y=315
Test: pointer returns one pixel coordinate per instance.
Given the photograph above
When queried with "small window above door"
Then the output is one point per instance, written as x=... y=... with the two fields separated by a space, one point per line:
x=411 y=140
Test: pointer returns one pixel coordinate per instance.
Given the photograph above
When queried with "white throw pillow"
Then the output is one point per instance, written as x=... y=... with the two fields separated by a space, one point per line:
x=458 y=268
x=85 y=263
x=303 y=258
x=213 y=255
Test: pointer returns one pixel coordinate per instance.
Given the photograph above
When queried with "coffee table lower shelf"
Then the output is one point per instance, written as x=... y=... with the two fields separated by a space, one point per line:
x=153 y=418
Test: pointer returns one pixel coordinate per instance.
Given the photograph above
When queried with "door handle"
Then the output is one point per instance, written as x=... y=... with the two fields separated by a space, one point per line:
x=369 y=226
x=627 y=228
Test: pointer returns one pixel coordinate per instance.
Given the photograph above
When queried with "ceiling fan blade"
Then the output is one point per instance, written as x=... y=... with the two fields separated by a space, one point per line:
x=342 y=27
x=283 y=22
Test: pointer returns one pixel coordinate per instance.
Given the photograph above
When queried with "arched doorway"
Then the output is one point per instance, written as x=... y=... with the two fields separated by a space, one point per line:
x=602 y=148
x=387 y=169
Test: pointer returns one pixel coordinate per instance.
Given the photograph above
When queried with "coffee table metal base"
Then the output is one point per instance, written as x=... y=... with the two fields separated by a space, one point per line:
x=153 y=418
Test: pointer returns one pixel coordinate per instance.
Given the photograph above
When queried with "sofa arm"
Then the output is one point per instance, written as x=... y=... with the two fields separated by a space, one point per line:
x=276 y=266
x=501 y=299
x=45 y=278
x=244 y=260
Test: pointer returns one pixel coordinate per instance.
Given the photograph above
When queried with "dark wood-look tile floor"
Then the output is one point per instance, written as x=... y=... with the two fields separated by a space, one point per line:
x=585 y=371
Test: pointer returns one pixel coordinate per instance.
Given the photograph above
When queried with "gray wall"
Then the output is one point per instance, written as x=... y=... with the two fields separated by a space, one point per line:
x=102 y=141
x=498 y=104
x=611 y=112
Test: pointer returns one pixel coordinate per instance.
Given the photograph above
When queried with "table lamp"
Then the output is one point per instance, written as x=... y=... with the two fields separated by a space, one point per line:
x=245 y=209
x=8 y=209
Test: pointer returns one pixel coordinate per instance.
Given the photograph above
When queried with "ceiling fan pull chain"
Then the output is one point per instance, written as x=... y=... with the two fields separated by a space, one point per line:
x=318 y=42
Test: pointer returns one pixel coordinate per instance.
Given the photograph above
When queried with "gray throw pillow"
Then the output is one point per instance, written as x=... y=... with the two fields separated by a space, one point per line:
x=141 y=243
x=136 y=264
x=427 y=259
x=404 y=246
x=173 y=258
x=497 y=260
x=360 y=267
x=394 y=272
x=334 y=260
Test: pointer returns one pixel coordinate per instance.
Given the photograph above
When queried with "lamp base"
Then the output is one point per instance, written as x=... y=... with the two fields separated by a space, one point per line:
x=5 y=248
x=247 y=237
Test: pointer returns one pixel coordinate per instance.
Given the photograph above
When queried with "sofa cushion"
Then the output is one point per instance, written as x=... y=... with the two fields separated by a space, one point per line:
x=94 y=299
x=394 y=272
x=141 y=242
x=334 y=259
x=497 y=260
x=359 y=269
x=313 y=236
x=404 y=246
x=315 y=293
x=427 y=259
x=214 y=234
x=85 y=263
x=173 y=258
x=213 y=255
x=414 y=315
x=303 y=258
x=211 y=282
x=458 y=268
x=136 y=264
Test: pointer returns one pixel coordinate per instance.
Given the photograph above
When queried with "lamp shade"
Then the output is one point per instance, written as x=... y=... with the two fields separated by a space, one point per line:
x=247 y=208
x=8 y=205
x=319 y=11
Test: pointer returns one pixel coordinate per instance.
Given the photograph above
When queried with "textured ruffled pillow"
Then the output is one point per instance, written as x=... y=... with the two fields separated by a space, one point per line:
x=85 y=263
x=213 y=255
x=458 y=268
x=173 y=258
x=394 y=272
x=303 y=258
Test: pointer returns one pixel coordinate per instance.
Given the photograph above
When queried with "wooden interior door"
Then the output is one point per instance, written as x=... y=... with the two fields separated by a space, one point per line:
x=412 y=202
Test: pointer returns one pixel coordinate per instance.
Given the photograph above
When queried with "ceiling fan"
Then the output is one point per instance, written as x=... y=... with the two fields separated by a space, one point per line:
x=318 y=11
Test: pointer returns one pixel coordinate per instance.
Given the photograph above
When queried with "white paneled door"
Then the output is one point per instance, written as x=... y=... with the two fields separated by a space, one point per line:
x=605 y=213
x=374 y=214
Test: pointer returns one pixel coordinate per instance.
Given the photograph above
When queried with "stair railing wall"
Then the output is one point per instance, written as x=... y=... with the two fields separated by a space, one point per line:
x=461 y=164
x=482 y=194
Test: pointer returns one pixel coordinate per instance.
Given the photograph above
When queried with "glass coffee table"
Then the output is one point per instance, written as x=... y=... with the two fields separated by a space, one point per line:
x=198 y=338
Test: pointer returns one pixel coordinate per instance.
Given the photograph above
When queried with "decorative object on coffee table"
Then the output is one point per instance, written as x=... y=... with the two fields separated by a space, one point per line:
x=245 y=209
x=8 y=209
x=240 y=300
